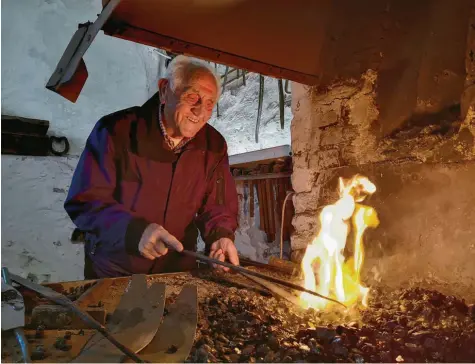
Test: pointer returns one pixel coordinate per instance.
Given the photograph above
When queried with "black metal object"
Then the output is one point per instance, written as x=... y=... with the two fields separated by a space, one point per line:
x=35 y=145
x=239 y=269
x=217 y=103
x=18 y=124
x=64 y=301
x=276 y=290
x=60 y=140
x=71 y=74
x=259 y=106
x=25 y=144
x=25 y=136
x=281 y=103
x=226 y=72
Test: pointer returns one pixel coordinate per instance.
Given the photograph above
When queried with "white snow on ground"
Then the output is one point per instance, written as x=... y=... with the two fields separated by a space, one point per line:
x=35 y=228
x=238 y=115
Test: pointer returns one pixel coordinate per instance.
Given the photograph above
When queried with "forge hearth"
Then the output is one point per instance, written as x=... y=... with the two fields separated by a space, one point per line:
x=404 y=325
x=239 y=322
x=397 y=107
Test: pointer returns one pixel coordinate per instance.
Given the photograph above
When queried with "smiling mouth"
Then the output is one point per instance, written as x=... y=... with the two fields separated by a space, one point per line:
x=193 y=120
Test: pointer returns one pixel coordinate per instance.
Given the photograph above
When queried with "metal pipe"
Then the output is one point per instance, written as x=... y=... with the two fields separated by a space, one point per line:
x=282 y=224
x=163 y=55
x=276 y=290
x=239 y=269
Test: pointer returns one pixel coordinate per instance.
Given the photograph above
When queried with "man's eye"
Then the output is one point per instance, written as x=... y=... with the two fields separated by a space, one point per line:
x=209 y=105
x=192 y=98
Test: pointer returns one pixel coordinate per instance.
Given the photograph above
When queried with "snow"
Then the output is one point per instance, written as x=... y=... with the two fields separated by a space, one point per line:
x=35 y=227
x=121 y=74
x=238 y=115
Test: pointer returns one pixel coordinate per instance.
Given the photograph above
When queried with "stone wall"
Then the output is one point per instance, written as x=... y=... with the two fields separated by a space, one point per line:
x=407 y=121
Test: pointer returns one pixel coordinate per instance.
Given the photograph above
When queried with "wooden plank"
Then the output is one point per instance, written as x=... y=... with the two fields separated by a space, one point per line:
x=263 y=176
x=175 y=45
x=270 y=209
x=266 y=207
x=251 y=198
x=17 y=124
x=261 y=200
x=25 y=144
x=260 y=156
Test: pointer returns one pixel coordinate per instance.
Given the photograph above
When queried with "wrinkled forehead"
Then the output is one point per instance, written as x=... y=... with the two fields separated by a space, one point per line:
x=201 y=79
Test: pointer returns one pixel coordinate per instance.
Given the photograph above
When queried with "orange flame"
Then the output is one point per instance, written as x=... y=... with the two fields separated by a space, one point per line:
x=336 y=278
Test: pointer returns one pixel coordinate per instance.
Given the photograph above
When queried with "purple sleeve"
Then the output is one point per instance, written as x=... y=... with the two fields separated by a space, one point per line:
x=90 y=202
x=218 y=216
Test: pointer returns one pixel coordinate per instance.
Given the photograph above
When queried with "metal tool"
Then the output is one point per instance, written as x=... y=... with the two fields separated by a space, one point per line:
x=13 y=313
x=174 y=339
x=135 y=322
x=63 y=300
x=239 y=269
x=274 y=289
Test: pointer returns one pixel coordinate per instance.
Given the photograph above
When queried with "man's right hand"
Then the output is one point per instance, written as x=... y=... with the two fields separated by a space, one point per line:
x=155 y=242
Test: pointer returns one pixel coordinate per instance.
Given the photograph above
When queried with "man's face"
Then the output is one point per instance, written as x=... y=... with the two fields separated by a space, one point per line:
x=189 y=108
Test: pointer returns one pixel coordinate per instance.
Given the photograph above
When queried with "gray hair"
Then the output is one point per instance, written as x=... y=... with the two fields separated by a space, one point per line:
x=182 y=67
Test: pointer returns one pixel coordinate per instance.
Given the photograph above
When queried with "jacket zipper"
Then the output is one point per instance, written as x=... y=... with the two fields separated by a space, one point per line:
x=170 y=190
x=166 y=205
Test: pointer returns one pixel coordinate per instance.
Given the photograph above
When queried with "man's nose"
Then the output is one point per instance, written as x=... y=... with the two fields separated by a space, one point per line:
x=197 y=109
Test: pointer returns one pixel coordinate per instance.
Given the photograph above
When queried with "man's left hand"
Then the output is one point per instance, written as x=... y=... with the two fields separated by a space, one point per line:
x=222 y=249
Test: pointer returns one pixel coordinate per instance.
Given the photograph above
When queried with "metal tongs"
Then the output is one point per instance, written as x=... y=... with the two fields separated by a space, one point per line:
x=261 y=276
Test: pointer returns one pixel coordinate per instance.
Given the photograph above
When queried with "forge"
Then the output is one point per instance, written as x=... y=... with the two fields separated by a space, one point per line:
x=238 y=321
x=380 y=174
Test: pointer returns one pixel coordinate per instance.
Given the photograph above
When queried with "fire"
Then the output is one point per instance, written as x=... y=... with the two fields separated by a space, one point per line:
x=338 y=278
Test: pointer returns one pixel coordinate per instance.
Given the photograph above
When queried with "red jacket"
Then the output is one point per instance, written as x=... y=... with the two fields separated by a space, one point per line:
x=127 y=178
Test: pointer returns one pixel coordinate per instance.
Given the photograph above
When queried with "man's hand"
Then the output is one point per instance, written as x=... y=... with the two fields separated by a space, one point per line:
x=155 y=241
x=222 y=249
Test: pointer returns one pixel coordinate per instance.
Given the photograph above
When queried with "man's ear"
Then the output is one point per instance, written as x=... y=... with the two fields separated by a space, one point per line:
x=163 y=88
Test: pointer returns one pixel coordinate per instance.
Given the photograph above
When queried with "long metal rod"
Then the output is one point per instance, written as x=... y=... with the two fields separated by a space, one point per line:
x=275 y=289
x=239 y=269
x=64 y=301
x=290 y=193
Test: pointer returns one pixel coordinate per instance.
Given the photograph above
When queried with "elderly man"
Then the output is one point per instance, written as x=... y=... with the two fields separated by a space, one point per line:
x=150 y=177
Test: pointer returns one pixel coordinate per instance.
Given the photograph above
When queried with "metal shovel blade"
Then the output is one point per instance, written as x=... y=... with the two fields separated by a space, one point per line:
x=174 y=340
x=134 y=323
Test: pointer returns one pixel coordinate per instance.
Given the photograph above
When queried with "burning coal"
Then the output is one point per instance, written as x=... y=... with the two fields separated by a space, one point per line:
x=338 y=278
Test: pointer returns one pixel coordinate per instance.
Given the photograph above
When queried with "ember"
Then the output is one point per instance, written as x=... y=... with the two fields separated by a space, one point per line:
x=410 y=325
x=337 y=278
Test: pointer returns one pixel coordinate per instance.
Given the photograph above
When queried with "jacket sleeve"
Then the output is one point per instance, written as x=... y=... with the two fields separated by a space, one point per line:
x=90 y=202
x=217 y=217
